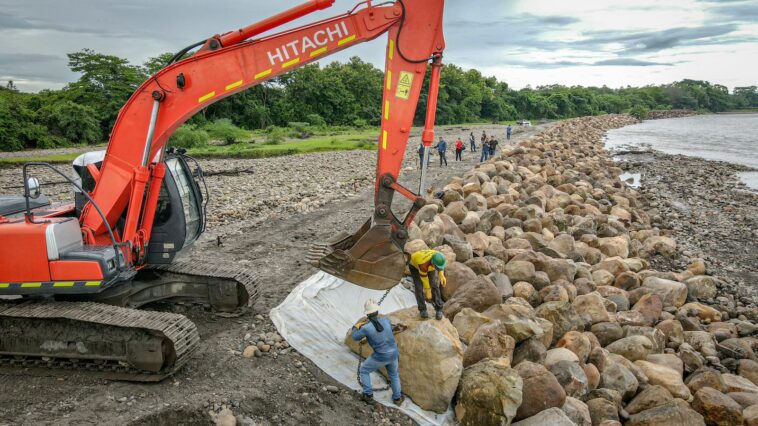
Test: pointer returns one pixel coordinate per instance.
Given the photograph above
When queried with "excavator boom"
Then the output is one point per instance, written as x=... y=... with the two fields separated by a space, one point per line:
x=230 y=63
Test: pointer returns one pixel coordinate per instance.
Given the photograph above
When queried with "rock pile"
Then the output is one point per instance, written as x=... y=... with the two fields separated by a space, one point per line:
x=670 y=113
x=550 y=285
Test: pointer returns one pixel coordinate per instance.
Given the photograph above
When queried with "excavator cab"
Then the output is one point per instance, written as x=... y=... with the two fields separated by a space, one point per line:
x=180 y=213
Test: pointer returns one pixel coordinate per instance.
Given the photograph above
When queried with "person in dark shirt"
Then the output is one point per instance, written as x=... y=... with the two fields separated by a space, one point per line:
x=472 y=140
x=441 y=150
x=421 y=155
x=378 y=331
x=493 y=147
x=485 y=151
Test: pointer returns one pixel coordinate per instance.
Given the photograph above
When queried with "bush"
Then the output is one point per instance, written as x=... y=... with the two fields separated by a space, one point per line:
x=360 y=123
x=299 y=130
x=74 y=122
x=224 y=130
x=315 y=120
x=189 y=136
x=274 y=135
x=639 y=111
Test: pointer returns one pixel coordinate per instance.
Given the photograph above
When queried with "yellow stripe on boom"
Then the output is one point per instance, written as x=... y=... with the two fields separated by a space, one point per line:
x=391 y=52
x=64 y=284
x=4 y=285
x=346 y=40
x=318 y=52
x=290 y=63
x=233 y=85
x=206 y=97
x=389 y=79
x=386 y=110
x=92 y=283
x=31 y=285
x=384 y=139
x=263 y=73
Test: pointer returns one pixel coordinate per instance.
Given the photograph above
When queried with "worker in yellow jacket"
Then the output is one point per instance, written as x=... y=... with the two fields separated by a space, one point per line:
x=426 y=266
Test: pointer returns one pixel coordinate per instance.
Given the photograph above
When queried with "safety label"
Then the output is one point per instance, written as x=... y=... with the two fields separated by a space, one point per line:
x=404 y=85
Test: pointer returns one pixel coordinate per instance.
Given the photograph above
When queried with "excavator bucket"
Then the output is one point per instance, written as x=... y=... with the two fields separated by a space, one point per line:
x=369 y=258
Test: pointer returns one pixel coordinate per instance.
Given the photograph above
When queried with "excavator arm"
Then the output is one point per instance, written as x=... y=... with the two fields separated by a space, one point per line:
x=129 y=180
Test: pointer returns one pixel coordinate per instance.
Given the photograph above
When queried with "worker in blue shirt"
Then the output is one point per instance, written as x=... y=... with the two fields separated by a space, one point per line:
x=378 y=331
x=441 y=150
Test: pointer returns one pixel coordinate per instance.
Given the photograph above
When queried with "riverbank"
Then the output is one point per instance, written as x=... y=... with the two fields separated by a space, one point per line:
x=709 y=211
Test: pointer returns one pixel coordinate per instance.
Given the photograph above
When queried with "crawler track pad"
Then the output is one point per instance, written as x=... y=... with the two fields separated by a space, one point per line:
x=369 y=258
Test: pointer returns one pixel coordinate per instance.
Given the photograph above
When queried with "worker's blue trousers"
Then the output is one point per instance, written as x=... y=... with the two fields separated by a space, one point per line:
x=371 y=364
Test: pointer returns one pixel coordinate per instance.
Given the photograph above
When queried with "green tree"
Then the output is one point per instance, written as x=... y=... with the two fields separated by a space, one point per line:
x=105 y=84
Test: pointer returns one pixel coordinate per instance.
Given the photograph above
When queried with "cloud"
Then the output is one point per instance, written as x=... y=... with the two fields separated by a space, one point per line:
x=16 y=22
x=628 y=62
x=655 y=41
x=30 y=66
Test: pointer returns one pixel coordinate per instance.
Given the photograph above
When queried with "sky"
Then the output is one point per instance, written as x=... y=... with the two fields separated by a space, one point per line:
x=522 y=42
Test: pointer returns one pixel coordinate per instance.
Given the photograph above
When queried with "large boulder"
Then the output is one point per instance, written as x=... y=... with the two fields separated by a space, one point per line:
x=571 y=376
x=591 y=308
x=660 y=245
x=467 y=322
x=672 y=293
x=462 y=248
x=478 y=295
x=551 y=416
x=520 y=270
x=632 y=347
x=650 y=397
x=614 y=246
x=432 y=359
x=666 y=377
x=701 y=287
x=490 y=341
x=519 y=320
x=619 y=378
x=457 y=275
x=489 y=394
x=541 y=390
x=456 y=210
x=672 y=413
x=717 y=408
x=563 y=317
x=576 y=410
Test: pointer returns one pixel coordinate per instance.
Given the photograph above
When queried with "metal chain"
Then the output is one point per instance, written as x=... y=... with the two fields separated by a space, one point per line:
x=360 y=353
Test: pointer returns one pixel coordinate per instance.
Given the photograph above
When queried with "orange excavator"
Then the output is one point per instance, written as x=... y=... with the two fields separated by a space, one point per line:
x=72 y=275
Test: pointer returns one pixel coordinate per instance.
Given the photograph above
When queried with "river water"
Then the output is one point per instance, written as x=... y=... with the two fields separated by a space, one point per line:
x=726 y=137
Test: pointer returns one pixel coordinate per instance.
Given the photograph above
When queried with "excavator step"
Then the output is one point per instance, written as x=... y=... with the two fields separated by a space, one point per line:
x=106 y=341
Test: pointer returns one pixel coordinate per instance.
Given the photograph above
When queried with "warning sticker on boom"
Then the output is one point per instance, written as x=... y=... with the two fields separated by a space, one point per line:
x=404 y=85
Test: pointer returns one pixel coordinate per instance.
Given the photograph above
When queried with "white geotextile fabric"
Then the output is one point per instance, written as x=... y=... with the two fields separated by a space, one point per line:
x=314 y=319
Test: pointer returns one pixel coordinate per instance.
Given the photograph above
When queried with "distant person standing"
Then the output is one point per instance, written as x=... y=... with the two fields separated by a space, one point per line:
x=421 y=155
x=441 y=150
x=483 y=139
x=508 y=132
x=485 y=151
x=458 y=149
x=493 y=146
x=472 y=140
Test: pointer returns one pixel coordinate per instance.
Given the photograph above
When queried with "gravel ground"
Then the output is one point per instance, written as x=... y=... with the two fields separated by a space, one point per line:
x=267 y=213
x=710 y=212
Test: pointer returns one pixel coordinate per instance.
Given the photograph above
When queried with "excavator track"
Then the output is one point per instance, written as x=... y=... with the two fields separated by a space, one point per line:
x=244 y=281
x=107 y=341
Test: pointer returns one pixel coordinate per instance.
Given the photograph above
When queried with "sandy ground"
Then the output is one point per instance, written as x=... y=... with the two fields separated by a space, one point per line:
x=265 y=223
